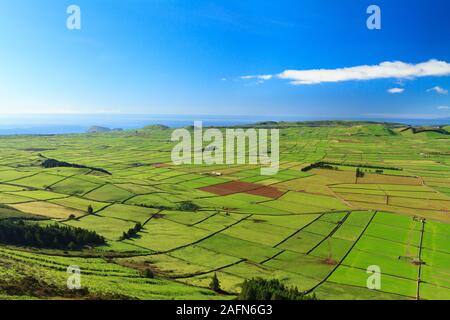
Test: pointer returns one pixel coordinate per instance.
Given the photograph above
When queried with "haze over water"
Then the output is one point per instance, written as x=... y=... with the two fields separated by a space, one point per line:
x=79 y=123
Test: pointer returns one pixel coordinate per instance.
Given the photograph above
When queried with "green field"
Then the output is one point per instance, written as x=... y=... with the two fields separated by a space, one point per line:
x=323 y=232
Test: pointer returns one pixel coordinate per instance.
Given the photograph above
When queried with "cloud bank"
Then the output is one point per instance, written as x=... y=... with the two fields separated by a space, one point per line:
x=384 y=70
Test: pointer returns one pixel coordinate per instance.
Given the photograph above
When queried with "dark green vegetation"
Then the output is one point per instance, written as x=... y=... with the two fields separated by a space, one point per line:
x=215 y=284
x=132 y=232
x=415 y=130
x=187 y=206
x=167 y=236
x=335 y=165
x=51 y=236
x=260 y=289
x=53 y=163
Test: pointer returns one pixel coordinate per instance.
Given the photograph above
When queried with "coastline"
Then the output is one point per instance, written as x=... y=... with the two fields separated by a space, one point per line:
x=57 y=124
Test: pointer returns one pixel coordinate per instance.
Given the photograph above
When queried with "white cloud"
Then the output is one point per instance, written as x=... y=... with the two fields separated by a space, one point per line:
x=260 y=77
x=396 y=90
x=443 y=107
x=438 y=89
x=385 y=70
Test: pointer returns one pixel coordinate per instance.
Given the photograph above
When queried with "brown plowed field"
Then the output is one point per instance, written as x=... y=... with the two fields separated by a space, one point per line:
x=232 y=187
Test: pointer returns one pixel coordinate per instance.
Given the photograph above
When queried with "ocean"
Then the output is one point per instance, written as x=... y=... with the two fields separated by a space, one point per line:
x=79 y=123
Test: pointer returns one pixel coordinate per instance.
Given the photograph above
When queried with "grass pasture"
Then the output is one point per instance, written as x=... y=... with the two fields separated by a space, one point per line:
x=318 y=230
x=47 y=209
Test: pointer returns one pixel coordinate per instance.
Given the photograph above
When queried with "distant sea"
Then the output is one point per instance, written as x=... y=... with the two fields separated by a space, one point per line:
x=79 y=123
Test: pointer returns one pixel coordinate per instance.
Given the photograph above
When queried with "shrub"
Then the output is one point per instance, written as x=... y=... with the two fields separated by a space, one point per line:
x=148 y=273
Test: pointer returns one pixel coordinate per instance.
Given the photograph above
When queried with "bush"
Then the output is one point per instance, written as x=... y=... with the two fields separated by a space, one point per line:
x=148 y=273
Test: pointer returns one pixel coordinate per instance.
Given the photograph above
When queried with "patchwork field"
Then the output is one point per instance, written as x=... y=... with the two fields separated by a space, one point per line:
x=318 y=230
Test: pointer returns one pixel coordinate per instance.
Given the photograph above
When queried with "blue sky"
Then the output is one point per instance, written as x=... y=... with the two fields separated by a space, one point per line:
x=190 y=57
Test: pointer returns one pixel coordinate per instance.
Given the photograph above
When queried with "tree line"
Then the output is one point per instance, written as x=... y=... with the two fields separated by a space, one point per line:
x=187 y=206
x=331 y=165
x=261 y=289
x=52 y=236
x=132 y=232
x=53 y=163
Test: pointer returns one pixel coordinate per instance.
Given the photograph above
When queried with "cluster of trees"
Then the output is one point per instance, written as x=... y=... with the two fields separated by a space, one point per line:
x=148 y=273
x=215 y=284
x=369 y=166
x=153 y=206
x=53 y=163
x=51 y=236
x=187 y=206
x=321 y=165
x=132 y=232
x=260 y=289
x=182 y=206
x=359 y=173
